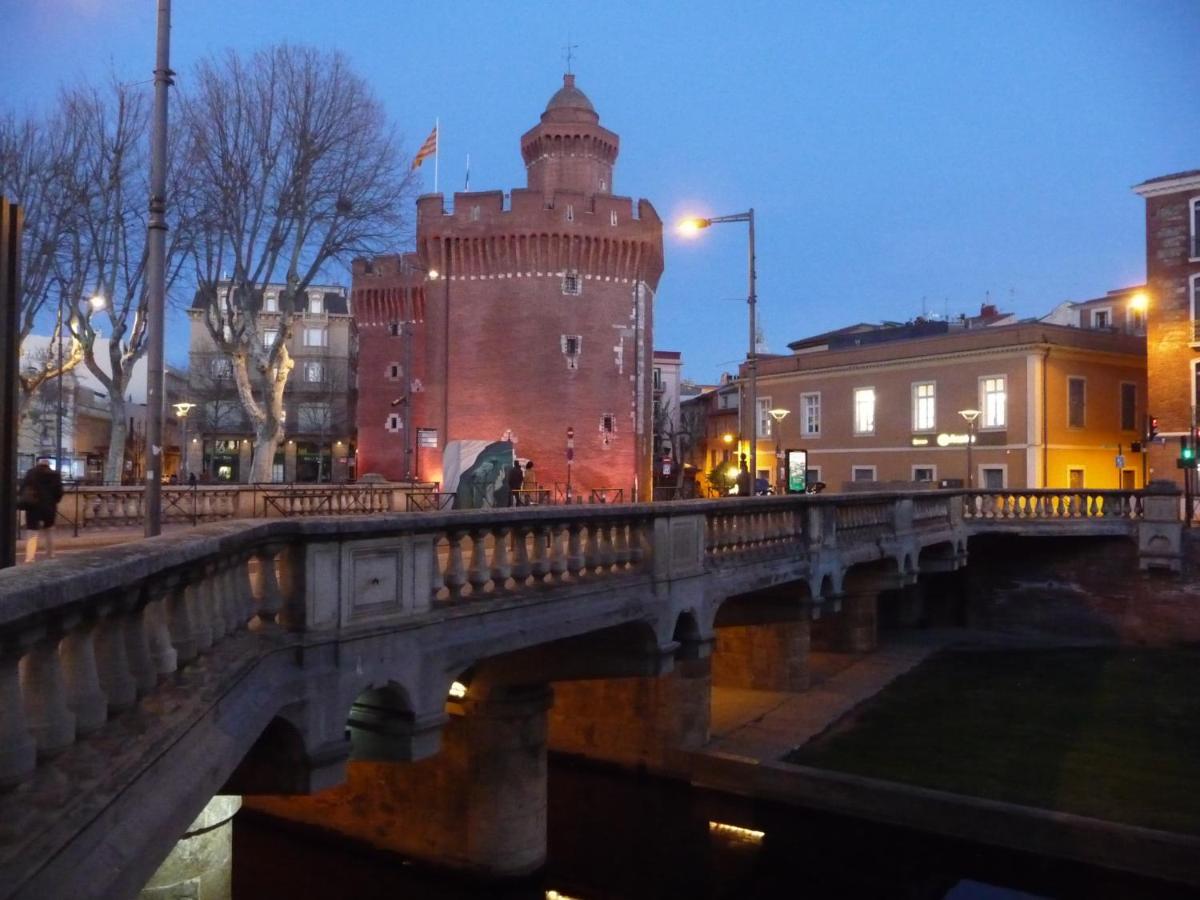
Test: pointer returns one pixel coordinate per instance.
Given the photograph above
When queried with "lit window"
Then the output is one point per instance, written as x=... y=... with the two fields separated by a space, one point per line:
x=1076 y=402
x=864 y=410
x=269 y=336
x=572 y=284
x=315 y=337
x=810 y=414
x=924 y=406
x=314 y=372
x=995 y=402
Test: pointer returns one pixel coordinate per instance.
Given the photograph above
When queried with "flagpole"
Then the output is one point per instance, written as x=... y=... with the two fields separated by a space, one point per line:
x=437 y=149
x=467 y=181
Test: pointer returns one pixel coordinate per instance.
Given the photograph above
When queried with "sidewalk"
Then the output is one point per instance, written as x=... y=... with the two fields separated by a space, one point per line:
x=66 y=544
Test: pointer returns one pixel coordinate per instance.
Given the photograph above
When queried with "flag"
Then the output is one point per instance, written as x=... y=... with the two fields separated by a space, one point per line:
x=427 y=149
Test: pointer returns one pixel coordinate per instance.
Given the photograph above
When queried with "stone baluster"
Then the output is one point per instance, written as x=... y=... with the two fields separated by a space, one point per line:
x=479 y=573
x=436 y=581
x=621 y=545
x=558 y=552
x=197 y=608
x=289 y=573
x=638 y=539
x=520 y=565
x=268 y=596
x=456 y=576
x=243 y=586
x=48 y=717
x=591 y=552
x=136 y=628
x=215 y=597
x=541 y=554
x=501 y=567
x=81 y=678
x=178 y=614
x=116 y=678
x=158 y=635
x=575 y=559
x=18 y=751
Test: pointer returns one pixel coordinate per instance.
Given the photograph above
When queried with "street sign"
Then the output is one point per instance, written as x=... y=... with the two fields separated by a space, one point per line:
x=1120 y=460
x=427 y=437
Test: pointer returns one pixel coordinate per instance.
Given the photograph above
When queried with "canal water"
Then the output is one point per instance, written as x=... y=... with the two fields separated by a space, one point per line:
x=619 y=836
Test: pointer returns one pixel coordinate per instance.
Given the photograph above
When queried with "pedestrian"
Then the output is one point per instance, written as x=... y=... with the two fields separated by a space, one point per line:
x=516 y=477
x=191 y=479
x=41 y=489
x=743 y=482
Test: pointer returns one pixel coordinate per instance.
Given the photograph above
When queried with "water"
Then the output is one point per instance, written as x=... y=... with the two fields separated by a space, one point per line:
x=617 y=836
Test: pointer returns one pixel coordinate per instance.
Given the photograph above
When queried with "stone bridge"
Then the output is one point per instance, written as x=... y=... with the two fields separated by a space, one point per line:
x=255 y=659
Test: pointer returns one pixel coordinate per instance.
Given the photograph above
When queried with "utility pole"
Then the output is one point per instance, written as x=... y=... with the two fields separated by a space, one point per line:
x=156 y=281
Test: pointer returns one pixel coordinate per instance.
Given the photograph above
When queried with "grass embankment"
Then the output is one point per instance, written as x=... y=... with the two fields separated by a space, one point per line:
x=1112 y=734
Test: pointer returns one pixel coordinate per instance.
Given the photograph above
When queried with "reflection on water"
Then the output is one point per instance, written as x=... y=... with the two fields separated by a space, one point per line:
x=615 y=836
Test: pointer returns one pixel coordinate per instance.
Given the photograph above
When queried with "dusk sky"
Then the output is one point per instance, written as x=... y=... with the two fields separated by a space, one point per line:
x=899 y=155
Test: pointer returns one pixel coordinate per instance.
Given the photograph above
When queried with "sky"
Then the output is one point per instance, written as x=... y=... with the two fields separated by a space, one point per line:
x=901 y=157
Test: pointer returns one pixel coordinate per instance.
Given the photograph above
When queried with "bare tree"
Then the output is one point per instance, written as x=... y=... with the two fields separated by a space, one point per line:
x=37 y=160
x=294 y=168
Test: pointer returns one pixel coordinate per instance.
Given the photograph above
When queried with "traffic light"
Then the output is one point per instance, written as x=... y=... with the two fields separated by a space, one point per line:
x=1187 y=453
x=1152 y=431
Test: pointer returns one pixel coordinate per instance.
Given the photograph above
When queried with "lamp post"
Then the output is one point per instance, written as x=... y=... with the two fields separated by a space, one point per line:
x=970 y=415
x=779 y=415
x=691 y=226
x=181 y=410
x=95 y=303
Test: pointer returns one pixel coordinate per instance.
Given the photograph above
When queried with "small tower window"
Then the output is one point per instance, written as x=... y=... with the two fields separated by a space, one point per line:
x=572 y=284
x=612 y=217
x=570 y=212
x=394 y=329
x=393 y=423
x=474 y=213
x=393 y=372
x=608 y=428
x=572 y=345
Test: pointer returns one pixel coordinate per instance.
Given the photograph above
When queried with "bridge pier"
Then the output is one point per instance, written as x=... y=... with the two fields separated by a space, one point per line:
x=478 y=805
x=201 y=865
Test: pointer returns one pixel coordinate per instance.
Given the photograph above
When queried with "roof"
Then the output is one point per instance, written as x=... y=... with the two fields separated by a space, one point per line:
x=1169 y=184
x=1190 y=173
x=335 y=301
x=570 y=96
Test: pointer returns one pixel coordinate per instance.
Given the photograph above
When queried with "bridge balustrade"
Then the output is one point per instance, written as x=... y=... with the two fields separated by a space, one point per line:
x=1052 y=505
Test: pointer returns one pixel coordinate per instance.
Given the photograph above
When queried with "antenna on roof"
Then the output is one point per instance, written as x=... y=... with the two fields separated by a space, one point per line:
x=570 y=51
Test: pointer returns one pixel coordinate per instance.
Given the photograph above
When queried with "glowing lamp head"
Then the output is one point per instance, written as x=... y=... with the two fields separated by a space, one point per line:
x=733 y=472
x=97 y=302
x=1139 y=301
x=727 y=438
x=434 y=274
x=692 y=225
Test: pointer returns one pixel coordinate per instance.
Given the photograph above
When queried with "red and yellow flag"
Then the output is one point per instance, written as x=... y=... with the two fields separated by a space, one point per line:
x=427 y=149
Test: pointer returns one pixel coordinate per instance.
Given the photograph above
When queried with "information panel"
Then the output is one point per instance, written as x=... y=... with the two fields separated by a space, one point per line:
x=797 y=470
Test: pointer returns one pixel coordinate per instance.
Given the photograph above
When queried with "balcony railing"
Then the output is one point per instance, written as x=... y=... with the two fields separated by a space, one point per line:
x=1051 y=505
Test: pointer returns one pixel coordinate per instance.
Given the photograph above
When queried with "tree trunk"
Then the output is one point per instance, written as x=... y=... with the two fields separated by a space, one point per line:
x=268 y=434
x=118 y=429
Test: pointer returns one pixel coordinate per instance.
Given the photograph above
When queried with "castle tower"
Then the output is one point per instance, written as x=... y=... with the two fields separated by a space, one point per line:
x=541 y=318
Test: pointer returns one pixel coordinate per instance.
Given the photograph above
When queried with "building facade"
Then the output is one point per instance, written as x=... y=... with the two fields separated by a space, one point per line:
x=523 y=317
x=1173 y=311
x=1057 y=406
x=319 y=399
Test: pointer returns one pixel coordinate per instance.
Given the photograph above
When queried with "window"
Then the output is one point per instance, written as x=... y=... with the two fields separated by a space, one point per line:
x=727 y=400
x=315 y=337
x=924 y=473
x=1195 y=254
x=572 y=346
x=220 y=367
x=1075 y=402
x=570 y=212
x=395 y=329
x=316 y=302
x=603 y=185
x=993 y=477
x=862 y=473
x=1195 y=295
x=608 y=423
x=810 y=414
x=271 y=302
x=924 y=406
x=612 y=217
x=474 y=214
x=1101 y=318
x=313 y=416
x=393 y=372
x=269 y=336
x=864 y=410
x=572 y=284
x=1075 y=478
x=314 y=372
x=764 y=417
x=658 y=382
x=812 y=475
x=995 y=401
x=1128 y=406
x=220 y=414
x=394 y=423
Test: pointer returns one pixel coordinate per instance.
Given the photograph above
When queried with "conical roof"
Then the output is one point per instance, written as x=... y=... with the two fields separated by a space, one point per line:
x=570 y=96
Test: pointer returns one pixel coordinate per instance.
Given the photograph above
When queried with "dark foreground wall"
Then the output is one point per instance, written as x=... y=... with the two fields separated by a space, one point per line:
x=1086 y=588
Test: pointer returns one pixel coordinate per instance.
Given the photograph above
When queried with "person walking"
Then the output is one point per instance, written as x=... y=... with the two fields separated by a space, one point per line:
x=41 y=489
x=516 y=477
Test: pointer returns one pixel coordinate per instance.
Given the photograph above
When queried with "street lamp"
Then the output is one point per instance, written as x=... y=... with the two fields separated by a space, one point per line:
x=970 y=415
x=779 y=415
x=95 y=303
x=181 y=410
x=1138 y=303
x=692 y=226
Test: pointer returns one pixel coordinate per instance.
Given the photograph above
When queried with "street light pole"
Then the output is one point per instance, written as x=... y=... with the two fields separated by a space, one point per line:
x=690 y=226
x=970 y=415
x=182 y=409
x=778 y=415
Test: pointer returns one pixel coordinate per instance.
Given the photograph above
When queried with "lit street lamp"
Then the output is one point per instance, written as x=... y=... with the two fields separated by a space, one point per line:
x=182 y=409
x=691 y=226
x=781 y=475
x=970 y=415
x=93 y=304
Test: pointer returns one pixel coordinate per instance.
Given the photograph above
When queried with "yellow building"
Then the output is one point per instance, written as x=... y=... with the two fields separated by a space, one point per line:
x=1052 y=405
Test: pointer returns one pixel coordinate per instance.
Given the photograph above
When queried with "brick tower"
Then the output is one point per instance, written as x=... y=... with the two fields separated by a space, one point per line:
x=540 y=318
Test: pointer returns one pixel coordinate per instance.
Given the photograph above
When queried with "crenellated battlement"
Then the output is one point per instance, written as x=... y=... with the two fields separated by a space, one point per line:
x=525 y=209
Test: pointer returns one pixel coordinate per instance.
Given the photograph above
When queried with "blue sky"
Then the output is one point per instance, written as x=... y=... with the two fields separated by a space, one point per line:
x=897 y=153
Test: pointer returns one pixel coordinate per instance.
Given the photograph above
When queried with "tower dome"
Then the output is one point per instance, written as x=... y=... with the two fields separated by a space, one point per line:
x=569 y=150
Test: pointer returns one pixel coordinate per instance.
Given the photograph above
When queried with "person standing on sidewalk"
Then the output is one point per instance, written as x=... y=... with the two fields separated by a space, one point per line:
x=41 y=490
